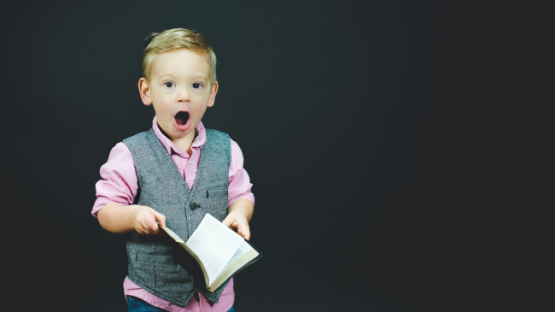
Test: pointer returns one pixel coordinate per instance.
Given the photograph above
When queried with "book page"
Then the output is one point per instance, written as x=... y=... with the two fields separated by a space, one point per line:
x=243 y=248
x=244 y=255
x=214 y=244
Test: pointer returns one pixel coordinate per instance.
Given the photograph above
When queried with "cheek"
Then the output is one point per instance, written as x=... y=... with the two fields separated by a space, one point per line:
x=201 y=102
x=199 y=109
x=163 y=108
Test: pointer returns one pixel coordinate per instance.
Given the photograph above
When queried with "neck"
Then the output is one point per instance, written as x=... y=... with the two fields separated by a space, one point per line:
x=184 y=143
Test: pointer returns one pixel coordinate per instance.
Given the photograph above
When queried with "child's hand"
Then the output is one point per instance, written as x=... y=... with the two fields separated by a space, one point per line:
x=237 y=221
x=144 y=220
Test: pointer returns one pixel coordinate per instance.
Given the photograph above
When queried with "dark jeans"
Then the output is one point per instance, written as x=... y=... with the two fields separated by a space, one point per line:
x=137 y=305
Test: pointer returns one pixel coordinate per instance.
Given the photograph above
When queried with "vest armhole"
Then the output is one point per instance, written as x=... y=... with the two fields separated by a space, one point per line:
x=138 y=196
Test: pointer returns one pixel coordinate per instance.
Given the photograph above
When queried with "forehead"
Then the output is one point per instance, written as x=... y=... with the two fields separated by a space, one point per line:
x=180 y=62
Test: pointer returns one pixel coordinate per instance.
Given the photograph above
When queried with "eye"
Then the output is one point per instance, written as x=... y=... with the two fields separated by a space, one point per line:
x=197 y=85
x=169 y=84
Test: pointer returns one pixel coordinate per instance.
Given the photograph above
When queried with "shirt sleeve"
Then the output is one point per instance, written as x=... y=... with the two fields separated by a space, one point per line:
x=119 y=183
x=239 y=185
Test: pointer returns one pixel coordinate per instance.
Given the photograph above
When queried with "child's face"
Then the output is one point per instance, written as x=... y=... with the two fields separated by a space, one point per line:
x=179 y=90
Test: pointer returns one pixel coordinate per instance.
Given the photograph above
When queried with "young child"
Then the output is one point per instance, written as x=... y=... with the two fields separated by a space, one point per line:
x=173 y=174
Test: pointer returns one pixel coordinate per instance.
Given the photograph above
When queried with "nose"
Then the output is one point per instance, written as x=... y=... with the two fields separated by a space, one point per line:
x=183 y=95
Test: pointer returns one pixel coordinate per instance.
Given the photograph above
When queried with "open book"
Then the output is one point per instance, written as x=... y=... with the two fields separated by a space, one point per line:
x=219 y=251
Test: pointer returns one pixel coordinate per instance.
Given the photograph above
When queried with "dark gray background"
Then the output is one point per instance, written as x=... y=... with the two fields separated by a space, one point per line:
x=368 y=131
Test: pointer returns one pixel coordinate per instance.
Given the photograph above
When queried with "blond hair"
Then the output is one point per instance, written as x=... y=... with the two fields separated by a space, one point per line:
x=174 y=39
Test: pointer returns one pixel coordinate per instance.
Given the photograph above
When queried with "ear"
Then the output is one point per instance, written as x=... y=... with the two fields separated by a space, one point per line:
x=213 y=92
x=144 y=90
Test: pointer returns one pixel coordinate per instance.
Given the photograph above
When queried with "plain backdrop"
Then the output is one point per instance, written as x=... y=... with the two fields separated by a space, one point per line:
x=366 y=128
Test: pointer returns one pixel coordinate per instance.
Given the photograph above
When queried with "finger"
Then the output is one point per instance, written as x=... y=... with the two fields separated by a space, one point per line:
x=140 y=225
x=160 y=222
x=244 y=230
x=150 y=222
x=142 y=228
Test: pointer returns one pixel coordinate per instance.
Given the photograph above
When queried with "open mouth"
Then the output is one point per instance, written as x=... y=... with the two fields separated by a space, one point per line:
x=181 y=121
x=181 y=118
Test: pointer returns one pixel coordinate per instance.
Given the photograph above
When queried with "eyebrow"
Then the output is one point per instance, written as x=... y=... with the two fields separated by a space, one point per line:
x=172 y=76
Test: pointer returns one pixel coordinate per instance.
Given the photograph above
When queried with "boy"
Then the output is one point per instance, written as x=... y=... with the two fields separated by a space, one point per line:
x=173 y=174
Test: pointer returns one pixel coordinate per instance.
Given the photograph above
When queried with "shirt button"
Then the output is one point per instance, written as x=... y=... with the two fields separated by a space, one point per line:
x=190 y=162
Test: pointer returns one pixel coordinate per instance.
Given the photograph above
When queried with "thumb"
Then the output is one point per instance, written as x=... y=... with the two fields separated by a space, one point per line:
x=160 y=218
x=227 y=221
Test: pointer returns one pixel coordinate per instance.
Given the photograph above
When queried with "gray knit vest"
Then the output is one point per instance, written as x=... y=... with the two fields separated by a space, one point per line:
x=152 y=259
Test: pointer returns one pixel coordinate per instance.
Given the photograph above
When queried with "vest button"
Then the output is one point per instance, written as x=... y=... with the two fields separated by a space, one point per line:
x=194 y=206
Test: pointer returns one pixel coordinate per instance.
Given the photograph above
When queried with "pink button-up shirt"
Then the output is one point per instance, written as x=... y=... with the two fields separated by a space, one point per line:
x=119 y=184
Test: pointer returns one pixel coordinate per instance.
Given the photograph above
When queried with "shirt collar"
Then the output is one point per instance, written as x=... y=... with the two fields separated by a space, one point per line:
x=169 y=145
